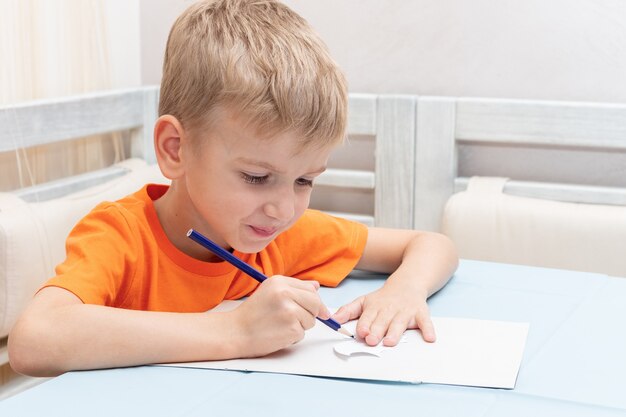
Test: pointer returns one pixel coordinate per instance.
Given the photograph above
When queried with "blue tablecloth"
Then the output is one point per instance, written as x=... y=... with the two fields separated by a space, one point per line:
x=574 y=362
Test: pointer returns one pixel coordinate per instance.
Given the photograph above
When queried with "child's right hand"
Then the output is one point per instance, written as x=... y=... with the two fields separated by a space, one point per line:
x=277 y=314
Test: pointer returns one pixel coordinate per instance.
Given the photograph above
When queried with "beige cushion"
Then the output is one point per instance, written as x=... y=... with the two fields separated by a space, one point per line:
x=488 y=225
x=32 y=235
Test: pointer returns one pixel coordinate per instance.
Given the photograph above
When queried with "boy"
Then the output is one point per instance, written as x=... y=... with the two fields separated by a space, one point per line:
x=251 y=106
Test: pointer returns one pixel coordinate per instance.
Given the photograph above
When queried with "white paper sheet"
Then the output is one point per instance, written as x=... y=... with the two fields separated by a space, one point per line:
x=470 y=352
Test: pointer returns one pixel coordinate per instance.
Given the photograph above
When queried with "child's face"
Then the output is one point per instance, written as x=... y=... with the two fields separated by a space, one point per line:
x=248 y=189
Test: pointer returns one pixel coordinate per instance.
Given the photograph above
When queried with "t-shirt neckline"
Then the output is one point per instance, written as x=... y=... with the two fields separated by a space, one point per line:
x=152 y=192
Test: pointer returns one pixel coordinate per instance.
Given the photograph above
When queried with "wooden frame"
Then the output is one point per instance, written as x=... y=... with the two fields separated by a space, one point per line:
x=446 y=124
x=417 y=141
x=48 y=121
x=390 y=120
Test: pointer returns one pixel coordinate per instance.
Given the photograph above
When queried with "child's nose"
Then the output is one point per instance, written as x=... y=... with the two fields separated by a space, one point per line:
x=281 y=206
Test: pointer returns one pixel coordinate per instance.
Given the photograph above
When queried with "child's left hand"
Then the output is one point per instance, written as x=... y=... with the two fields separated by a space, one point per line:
x=386 y=313
x=420 y=263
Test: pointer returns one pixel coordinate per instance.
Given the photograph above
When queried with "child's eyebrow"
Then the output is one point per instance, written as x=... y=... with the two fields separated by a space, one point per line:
x=259 y=163
x=271 y=167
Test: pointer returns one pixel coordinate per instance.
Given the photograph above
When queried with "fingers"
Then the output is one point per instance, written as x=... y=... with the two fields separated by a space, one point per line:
x=396 y=329
x=427 y=328
x=386 y=322
x=349 y=311
x=389 y=327
x=303 y=297
x=323 y=312
x=363 y=326
x=308 y=298
x=315 y=307
x=382 y=317
x=374 y=324
x=277 y=314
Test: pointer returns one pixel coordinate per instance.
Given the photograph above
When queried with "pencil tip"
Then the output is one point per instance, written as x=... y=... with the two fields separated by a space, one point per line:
x=345 y=332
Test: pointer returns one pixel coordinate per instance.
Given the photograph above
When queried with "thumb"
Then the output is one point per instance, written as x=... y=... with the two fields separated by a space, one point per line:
x=349 y=311
x=324 y=312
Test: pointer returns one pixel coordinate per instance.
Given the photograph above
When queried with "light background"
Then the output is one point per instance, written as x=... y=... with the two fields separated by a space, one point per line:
x=530 y=49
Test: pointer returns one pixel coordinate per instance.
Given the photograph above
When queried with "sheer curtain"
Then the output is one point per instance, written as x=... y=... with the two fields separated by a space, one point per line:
x=53 y=48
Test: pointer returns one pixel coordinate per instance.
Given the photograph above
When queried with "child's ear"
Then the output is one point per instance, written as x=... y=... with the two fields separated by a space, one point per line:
x=168 y=137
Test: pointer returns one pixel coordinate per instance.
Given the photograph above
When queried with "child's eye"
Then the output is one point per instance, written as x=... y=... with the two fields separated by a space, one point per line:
x=253 y=179
x=304 y=182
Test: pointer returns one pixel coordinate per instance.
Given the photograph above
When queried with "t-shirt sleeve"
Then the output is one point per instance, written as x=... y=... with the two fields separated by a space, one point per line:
x=99 y=262
x=322 y=247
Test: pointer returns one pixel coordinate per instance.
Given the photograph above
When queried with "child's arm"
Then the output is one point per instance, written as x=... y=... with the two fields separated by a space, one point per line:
x=420 y=264
x=58 y=333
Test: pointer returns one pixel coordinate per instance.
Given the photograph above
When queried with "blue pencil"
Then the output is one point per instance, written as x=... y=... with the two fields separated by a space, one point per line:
x=230 y=258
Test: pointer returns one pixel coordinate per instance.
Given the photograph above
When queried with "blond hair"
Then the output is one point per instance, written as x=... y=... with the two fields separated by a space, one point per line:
x=258 y=58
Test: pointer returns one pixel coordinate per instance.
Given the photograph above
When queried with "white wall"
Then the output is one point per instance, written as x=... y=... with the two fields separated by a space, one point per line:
x=124 y=42
x=538 y=49
x=156 y=19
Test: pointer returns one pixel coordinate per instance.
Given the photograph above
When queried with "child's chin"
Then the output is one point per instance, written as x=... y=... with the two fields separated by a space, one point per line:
x=252 y=247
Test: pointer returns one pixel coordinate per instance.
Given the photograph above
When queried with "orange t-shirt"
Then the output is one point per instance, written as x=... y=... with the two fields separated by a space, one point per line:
x=118 y=255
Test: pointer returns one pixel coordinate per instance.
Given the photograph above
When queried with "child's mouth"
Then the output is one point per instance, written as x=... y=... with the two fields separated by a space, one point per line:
x=264 y=232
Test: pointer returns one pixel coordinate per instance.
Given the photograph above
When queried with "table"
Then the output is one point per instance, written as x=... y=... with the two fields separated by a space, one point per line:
x=574 y=363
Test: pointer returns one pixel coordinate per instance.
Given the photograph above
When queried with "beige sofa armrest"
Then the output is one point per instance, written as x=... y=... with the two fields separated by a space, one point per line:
x=32 y=235
x=487 y=224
